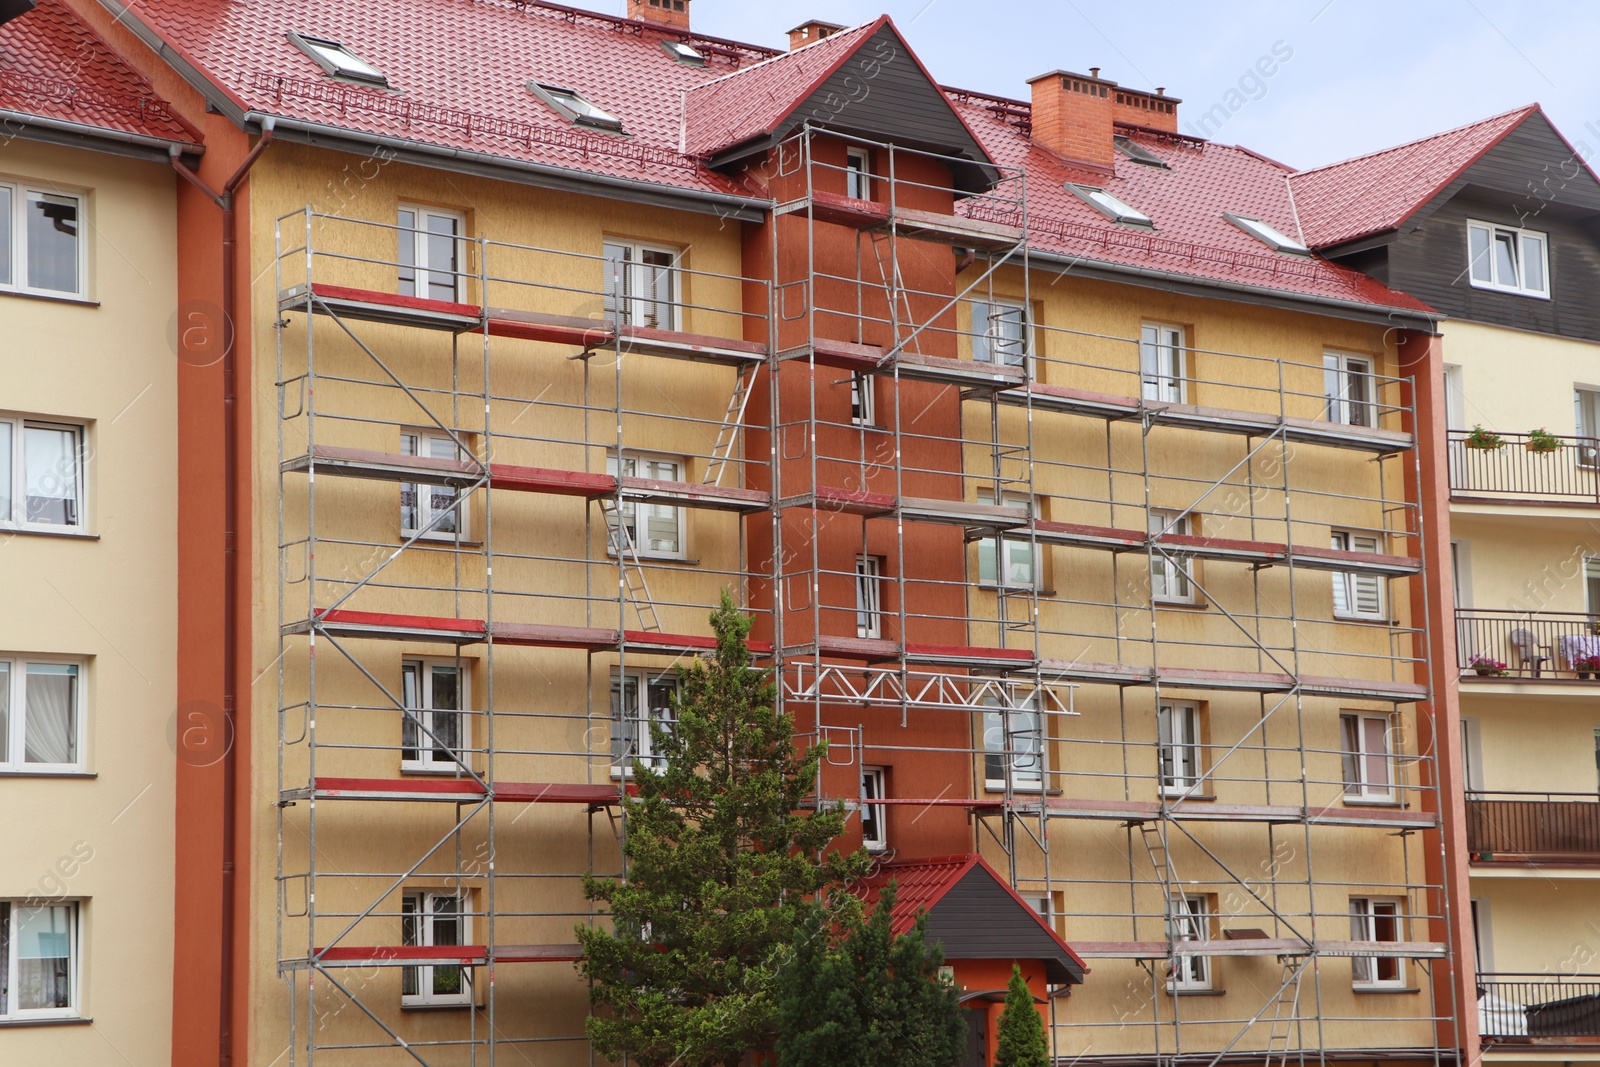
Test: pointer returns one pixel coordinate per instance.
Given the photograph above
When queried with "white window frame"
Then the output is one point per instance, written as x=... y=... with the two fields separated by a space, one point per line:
x=624 y=261
x=1189 y=923
x=874 y=817
x=1024 y=766
x=1170 y=581
x=1111 y=206
x=9 y=1012
x=416 y=239
x=994 y=333
x=1365 y=915
x=1342 y=404
x=1163 y=363
x=1181 y=749
x=1349 y=587
x=1268 y=234
x=14 y=235
x=1484 y=270
x=14 y=438
x=423 y=975
x=869 y=597
x=438 y=445
x=338 y=60
x=427 y=760
x=654 y=464
x=997 y=550
x=639 y=712
x=1361 y=785
x=14 y=714
x=858 y=173
x=863 y=400
x=575 y=107
x=1586 y=420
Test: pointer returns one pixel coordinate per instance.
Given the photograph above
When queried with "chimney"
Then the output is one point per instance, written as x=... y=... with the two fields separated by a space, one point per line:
x=1157 y=109
x=673 y=13
x=808 y=32
x=1072 y=116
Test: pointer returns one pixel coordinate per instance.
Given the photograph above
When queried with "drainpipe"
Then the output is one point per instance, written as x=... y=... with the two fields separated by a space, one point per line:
x=230 y=573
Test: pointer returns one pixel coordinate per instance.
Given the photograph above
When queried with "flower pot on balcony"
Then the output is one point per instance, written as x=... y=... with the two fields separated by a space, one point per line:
x=1486 y=672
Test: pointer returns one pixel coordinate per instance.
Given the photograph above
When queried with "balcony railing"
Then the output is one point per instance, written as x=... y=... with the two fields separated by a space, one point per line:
x=1537 y=1006
x=1531 y=644
x=1568 y=474
x=1546 y=826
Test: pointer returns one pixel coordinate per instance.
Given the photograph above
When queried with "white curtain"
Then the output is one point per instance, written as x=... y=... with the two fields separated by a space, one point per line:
x=51 y=724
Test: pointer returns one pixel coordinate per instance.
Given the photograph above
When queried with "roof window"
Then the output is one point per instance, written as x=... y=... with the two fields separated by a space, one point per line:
x=1110 y=206
x=683 y=50
x=336 y=59
x=574 y=106
x=1138 y=152
x=1267 y=235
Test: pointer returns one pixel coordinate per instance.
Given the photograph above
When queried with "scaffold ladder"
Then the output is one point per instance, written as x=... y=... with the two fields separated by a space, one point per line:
x=732 y=422
x=635 y=587
x=1283 y=1021
x=883 y=250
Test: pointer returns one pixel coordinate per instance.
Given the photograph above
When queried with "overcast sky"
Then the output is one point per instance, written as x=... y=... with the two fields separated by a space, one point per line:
x=1363 y=74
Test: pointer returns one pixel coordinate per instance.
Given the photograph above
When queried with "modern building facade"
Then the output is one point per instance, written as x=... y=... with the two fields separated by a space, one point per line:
x=1493 y=224
x=91 y=724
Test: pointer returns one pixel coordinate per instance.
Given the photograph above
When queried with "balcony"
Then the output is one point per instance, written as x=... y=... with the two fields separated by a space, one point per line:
x=1540 y=646
x=1539 y=1009
x=1511 y=473
x=1542 y=827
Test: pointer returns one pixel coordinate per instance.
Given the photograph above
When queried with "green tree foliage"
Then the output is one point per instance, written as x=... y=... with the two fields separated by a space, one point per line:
x=866 y=998
x=1022 y=1042
x=720 y=859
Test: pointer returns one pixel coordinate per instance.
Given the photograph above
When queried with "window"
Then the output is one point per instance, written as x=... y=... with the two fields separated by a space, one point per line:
x=874 y=817
x=1137 y=152
x=1110 y=206
x=45 y=461
x=1508 y=259
x=39 y=971
x=684 y=51
x=1169 y=575
x=1348 y=386
x=41 y=245
x=1270 y=236
x=432 y=253
x=1010 y=562
x=1587 y=403
x=1161 y=363
x=574 y=107
x=1178 y=728
x=863 y=400
x=1377 y=919
x=434 y=920
x=436 y=732
x=1356 y=596
x=662 y=535
x=336 y=59
x=641 y=285
x=431 y=512
x=1014 y=735
x=41 y=714
x=858 y=173
x=999 y=332
x=1368 y=760
x=1591 y=585
x=1189 y=922
x=869 y=596
x=638 y=699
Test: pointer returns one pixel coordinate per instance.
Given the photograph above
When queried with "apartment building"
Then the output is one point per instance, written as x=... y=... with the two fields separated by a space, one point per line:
x=1078 y=506
x=1493 y=224
x=91 y=716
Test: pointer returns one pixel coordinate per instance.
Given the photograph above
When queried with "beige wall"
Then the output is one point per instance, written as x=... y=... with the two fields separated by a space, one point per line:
x=110 y=599
x=1514 y=381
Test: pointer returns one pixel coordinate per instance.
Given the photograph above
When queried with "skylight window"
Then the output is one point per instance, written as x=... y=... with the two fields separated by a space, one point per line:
x=684 y=51
x=1110 y=206
x=338 y=60
x=574 y=106
x=1267 y=235
x=1138 y=152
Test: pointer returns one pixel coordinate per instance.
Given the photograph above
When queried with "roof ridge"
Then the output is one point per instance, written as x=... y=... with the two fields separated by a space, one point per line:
x=1526 y=109
x=781 y=55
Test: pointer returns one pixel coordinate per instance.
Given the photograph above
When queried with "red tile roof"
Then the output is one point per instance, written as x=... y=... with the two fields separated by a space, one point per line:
x=1377 y=192
x=54 y=66
x=457 y=71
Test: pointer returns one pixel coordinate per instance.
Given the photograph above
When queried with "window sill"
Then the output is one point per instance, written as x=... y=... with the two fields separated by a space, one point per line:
x=1371 y=620
x=436 y=772
x=64 y=298
x=645 y=557
x=442 y=542
x=990 y=587
x=425 y=1008
x=67 y=1020
x=48 y=774
x=34 y=531
x=1507 y=290
x=1181 y=605
x=1370 y=989
x=1205 y=797
x=1364 y=802
x=1197 y=992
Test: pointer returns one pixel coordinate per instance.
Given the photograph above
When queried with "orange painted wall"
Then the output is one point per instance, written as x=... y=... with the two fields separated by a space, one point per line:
x=975 y=975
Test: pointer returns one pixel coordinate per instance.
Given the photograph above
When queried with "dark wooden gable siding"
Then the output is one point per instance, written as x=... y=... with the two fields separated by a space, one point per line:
x=1528 y=179
x=978 y=920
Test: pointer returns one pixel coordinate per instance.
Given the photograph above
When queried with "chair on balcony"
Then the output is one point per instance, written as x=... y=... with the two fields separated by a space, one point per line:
x=1531 y=656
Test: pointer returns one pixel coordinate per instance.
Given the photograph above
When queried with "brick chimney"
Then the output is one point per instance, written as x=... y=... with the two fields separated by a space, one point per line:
x=808 y=32
x=674 y=13
x=1156 y=110
x=1072 y=116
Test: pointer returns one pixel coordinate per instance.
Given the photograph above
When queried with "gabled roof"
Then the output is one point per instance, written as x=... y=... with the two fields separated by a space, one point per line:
x=53 y=66
x=972 y=913
x=1377 y=192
